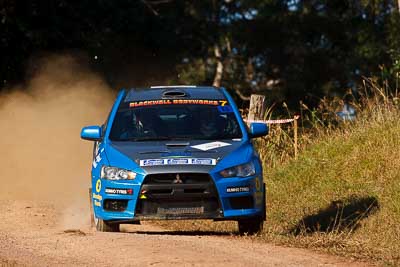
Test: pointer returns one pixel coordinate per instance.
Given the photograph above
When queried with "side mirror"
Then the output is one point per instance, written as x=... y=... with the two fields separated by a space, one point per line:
x=91 y=133
x=258 y=129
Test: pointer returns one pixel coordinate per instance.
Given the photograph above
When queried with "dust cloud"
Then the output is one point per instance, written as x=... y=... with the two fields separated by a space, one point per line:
x=42 y=156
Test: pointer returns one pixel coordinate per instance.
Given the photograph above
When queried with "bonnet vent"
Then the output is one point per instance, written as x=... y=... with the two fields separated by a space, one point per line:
x=174 y=93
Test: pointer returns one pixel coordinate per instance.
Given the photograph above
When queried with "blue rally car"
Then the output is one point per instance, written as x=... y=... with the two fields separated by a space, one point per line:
x=176 y=152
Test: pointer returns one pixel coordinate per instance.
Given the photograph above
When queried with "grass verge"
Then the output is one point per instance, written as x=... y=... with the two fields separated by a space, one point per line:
x=343 y=193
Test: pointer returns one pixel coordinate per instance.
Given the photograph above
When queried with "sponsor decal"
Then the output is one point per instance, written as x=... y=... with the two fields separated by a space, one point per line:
x=212 y=145
x=177 y=161
x=177 y=102
x=203 y=161
x=98 y=186
x=97 y=203
x=238 y=189
x=152 y=162
x=97 y=196
x=223 y=102
x=119 y=191
x=96 y=160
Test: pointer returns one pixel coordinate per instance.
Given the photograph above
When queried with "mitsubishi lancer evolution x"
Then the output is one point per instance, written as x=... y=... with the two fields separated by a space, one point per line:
x=176 y=152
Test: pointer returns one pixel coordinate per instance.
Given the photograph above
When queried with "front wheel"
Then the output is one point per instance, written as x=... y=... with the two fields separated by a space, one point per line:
x=104 y=226
x=254 y=225
x=101 y=225
x=251 y=226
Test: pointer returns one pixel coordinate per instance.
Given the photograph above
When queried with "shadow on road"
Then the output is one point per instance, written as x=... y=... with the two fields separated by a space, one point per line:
x=340 y=216
x=183 y=233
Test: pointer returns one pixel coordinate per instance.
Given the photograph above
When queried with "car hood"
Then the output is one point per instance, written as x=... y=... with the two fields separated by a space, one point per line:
x=223 y=154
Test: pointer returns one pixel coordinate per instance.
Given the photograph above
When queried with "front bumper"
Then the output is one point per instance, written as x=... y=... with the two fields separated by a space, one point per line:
x=211 y=198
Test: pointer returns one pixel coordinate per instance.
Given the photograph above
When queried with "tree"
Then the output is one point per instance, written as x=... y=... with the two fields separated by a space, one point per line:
x=287 y=50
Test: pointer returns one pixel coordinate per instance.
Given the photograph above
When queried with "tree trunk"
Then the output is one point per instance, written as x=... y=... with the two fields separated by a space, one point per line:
x=398 y=5
x=220 y=67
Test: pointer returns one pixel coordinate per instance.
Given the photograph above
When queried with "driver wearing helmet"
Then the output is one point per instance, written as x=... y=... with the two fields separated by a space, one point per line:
x=209 y=124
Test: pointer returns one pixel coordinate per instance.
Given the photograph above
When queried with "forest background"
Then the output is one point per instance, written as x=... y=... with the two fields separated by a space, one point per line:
x=288 y=50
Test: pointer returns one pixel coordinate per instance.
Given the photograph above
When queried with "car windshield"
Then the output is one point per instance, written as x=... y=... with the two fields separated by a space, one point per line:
x=175 y=122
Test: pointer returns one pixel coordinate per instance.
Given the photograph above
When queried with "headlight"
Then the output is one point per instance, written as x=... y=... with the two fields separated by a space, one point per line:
x=243 y=170
x=113 y=173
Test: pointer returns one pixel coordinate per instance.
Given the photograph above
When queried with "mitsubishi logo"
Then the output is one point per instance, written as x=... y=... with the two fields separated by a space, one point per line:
x=177 y=179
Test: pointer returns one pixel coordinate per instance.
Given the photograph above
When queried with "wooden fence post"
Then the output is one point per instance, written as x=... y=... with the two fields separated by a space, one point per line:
x=257 y=107
x=295 y=126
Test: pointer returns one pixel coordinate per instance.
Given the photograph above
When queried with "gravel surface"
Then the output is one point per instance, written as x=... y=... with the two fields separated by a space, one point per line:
x=38 y=233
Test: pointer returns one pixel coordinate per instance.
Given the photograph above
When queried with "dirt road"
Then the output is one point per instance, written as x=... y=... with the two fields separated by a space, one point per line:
x=39 y=234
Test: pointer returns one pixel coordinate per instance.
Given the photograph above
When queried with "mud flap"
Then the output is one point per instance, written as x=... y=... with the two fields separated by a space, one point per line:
x=264 y=215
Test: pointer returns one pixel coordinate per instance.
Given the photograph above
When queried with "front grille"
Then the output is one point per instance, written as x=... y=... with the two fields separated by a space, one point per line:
x=170 y=178
x=178 y=195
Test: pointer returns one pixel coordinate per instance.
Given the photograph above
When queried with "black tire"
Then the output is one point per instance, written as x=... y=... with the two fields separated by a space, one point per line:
x=251 y=226
x=104 y=226
x=254 y=225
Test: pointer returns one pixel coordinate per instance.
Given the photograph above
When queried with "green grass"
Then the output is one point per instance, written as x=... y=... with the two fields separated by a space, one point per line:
x=343 y=192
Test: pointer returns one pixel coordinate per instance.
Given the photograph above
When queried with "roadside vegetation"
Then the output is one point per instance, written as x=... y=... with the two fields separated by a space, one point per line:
x=342 y=194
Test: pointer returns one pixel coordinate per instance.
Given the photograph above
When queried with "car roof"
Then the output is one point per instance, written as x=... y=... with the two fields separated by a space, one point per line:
x=175 y=91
